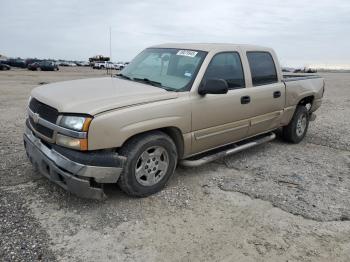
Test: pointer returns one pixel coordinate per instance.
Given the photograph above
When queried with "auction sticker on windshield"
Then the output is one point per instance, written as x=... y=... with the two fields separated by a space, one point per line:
x=189 y=53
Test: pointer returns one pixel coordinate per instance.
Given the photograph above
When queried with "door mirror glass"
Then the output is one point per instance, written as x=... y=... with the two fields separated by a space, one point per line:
x=213 y=86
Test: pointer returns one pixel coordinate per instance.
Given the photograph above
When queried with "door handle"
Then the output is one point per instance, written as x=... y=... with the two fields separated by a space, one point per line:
x=276 y=94
x=245 y=99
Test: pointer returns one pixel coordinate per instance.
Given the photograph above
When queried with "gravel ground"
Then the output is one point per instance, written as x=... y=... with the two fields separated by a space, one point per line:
x=302 y=176
x=22 y=237
x=297 y=182
x=276 y=202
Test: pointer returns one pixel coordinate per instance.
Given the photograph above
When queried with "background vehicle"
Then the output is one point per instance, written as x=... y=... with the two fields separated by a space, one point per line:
x=16 y=62
x=98 y=58
x=63 y=63
x=29 y=61
x=66 y=63
x=48 y=66
x=43 y=66
x=188 y=103
x=119 y=65
x=104 y=65
x=82 y=63
x=34 y=66
x=4 y=66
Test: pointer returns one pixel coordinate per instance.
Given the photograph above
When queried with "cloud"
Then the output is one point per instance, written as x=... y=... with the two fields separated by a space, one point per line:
x=301 y=31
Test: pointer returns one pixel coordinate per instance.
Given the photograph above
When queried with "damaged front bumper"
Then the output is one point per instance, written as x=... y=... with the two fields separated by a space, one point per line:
x=81 y=173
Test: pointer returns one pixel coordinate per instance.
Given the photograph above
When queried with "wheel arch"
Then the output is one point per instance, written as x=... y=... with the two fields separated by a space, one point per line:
x=306 y=100
x=173 y=132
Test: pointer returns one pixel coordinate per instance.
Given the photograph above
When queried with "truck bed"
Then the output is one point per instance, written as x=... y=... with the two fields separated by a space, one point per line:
x=297 y=77
x=303 y=85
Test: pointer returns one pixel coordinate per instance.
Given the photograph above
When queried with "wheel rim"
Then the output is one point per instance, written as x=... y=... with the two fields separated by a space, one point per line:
x=151 y=166
x=301 y=125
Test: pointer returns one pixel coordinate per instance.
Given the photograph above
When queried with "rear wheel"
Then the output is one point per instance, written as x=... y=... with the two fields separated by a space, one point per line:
x=151 y=160
x=296 y=130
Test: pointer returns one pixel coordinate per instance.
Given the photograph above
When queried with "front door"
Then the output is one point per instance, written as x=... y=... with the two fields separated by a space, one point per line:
x=221 y=119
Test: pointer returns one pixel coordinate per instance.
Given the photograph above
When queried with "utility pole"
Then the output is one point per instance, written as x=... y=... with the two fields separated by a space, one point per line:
x=110 y=49
x=110 y=43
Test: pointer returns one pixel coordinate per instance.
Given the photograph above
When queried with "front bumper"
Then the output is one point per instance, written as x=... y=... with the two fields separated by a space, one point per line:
x=79 y=176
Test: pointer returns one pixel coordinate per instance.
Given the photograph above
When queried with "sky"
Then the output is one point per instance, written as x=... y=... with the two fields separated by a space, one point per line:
x=301 y=32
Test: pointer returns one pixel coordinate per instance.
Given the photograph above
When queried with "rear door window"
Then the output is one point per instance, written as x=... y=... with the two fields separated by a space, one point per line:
x=262 y=68
x=226 y=66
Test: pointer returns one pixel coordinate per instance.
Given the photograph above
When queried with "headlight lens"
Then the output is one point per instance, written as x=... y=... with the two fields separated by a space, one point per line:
x=77 y=123
x=70 y=142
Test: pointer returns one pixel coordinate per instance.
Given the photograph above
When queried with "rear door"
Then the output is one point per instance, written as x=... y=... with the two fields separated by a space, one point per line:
x=267 y=93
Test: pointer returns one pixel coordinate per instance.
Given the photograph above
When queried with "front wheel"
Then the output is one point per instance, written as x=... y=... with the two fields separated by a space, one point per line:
x=296 y=130
x=151 y=160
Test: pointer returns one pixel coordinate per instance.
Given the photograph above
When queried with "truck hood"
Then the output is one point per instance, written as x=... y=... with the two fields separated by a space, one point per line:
x=96 y=95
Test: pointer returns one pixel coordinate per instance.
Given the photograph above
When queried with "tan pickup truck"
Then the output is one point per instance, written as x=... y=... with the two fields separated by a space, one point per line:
x=174 y=103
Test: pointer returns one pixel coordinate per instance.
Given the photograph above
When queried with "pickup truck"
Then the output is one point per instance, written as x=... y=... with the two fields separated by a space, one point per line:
x=174 y=103
x=103 y=65
x=119 y=65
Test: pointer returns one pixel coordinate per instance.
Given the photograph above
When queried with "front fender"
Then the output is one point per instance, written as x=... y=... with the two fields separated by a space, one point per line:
x=111 y=129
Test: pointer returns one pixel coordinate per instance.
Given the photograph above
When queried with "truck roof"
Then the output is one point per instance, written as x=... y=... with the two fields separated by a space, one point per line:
x=212 y=46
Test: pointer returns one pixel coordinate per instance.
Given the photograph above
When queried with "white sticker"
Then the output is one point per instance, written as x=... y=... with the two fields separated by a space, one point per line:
x=189 y=53
x=188 y=74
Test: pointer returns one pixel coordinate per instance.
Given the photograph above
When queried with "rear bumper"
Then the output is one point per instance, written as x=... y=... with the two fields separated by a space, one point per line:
x=80 y=178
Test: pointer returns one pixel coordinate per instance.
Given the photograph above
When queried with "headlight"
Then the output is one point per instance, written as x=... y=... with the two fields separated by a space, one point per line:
x=74 y=143
x=77 y=123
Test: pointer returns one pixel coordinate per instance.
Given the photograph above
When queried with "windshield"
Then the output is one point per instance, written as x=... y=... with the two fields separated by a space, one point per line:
x=169 y=68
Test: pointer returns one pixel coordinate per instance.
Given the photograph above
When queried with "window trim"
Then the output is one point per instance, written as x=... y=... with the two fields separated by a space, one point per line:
x=274 y=65
x=240 y=59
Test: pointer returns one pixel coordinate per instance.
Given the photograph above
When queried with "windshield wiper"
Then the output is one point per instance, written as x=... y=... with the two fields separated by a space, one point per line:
x=124 y=76
x=148 y=81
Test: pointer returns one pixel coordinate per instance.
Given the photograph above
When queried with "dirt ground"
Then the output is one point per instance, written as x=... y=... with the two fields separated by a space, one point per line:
x=275 y=202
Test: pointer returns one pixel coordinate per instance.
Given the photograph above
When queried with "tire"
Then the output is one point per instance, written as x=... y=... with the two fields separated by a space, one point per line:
x=296 y=130
x=151 y=160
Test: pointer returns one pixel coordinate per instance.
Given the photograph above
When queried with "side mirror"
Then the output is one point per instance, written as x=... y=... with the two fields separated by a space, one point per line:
x=213 y=86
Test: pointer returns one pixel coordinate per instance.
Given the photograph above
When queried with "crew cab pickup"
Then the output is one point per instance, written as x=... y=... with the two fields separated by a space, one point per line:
x=174 y=103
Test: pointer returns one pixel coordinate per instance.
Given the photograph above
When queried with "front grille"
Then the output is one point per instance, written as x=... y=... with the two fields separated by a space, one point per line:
x=41 y=129
x=46 y=112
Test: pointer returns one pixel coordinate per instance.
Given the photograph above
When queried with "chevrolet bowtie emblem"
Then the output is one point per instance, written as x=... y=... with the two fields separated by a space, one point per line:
x=36 y=118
